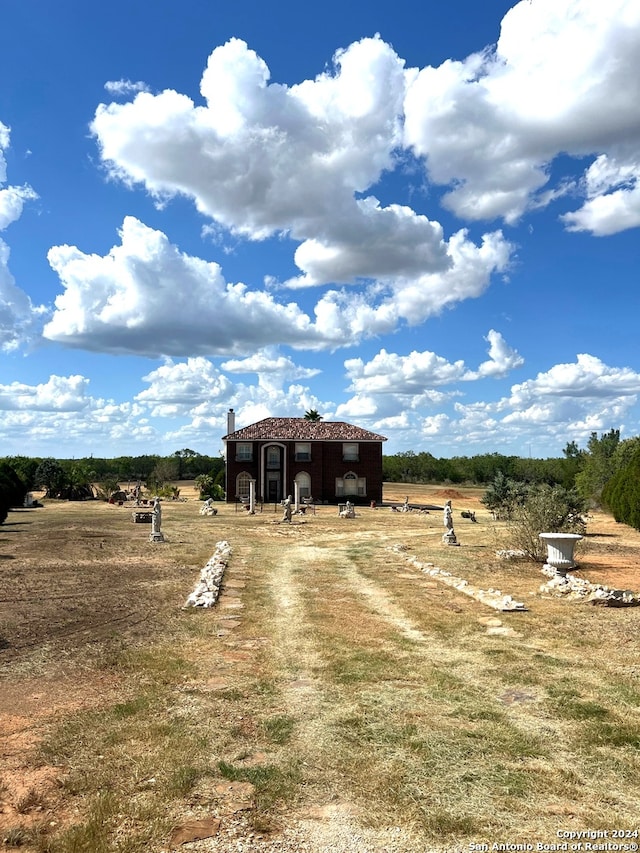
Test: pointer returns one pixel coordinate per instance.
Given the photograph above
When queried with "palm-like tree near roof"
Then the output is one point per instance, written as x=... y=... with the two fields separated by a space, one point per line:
x=312 y=415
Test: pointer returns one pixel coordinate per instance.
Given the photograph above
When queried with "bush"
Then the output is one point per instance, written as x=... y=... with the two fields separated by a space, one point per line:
x=209 y=487
x=106 y=488
x=621 y=495
x=12 y=490
x=546 y=509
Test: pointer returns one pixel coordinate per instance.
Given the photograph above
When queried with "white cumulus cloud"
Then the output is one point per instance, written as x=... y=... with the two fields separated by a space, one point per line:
x=561 y=79
x=262 y=158
x=58 y=394
x=147 y=297
x=18 y=316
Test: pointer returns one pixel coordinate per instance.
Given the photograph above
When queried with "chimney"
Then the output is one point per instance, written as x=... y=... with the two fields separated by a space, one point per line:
x=231 y=421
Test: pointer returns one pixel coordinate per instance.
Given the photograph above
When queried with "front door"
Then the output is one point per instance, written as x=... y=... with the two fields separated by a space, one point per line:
x=273 y=487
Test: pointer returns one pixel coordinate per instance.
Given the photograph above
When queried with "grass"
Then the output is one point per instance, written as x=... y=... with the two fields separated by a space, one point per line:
x=350 y=676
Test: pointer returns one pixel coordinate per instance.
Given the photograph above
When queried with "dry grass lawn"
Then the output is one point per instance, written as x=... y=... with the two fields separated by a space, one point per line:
x=336 y=698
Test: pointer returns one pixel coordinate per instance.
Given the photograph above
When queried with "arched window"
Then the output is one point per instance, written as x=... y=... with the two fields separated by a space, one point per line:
x=351 y=484
x=304 y=484
x=242 y=484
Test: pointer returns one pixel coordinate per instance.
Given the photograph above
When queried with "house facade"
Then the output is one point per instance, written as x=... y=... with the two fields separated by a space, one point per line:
x=331 y=461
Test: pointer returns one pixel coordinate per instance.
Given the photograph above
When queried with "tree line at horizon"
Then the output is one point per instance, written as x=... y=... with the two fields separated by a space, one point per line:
x=605 y=473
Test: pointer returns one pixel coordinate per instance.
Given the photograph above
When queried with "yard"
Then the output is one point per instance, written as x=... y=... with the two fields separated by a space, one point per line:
x=335 y=699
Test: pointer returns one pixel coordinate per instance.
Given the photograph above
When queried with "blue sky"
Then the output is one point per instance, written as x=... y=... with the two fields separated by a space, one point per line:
x=419 y=218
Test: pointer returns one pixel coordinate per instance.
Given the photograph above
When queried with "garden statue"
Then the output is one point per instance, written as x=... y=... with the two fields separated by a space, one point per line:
x=449 y=537
x=286 y=515
x=348 y=511
x=156 y=522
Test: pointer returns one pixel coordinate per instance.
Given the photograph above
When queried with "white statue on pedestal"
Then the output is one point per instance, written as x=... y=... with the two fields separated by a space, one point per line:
x=449 y=537
x=156 y=522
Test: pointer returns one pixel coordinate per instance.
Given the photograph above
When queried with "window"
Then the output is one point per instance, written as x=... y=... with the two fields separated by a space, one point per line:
x=304 y=484
x=242 y=484
x=303 y=451
x=350 y=452
x=244 y=451
x=273 y=456
x=351 y=484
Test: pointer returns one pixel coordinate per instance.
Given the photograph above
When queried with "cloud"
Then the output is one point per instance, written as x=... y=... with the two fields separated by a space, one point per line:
x=303 y=151
x=273 y=369
x=125 y=88
x=421 y=371
x=613 y=191
x=199 y=392
x=567 y=402
x=12 y=201
x=345 y=316
x=396 y=374
x=502 y=359
x=18 y=316
x=147 y=297
x=407 y=396
x=559 y=80
x=390 y=384
x=58 y=394
x=587 y=380
x=177 y=389
x=262 y=159
x=382 y=243
x=60 y=414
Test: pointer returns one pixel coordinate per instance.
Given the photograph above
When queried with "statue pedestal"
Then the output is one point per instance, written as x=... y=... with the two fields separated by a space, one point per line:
x=156 y=537
x=560 y=551
x=449 y=538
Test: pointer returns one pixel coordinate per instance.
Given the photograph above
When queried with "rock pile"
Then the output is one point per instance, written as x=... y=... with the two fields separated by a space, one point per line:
x=579 y=589
x=207 y=589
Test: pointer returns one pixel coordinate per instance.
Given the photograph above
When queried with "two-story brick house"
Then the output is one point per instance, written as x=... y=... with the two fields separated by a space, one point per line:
x=329 y=460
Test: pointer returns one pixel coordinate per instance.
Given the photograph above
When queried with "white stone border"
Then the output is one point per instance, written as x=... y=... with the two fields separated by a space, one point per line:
x=207 y=589
x=491 y=597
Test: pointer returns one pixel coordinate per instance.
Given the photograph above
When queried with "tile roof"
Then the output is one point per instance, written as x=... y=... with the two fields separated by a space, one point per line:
x=299 y=429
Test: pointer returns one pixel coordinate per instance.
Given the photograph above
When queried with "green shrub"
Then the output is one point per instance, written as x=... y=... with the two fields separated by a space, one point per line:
x=621 y=495
x=546 y=509
x=12 y=490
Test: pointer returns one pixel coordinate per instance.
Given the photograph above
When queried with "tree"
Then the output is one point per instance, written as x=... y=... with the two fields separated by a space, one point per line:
x=80 y=478
x=503 y=495
x=312 y=415
x=598 y=466
x=107 y=487
x=25 y=468
x=183 y=456
x=50 y=476
x=165 y=470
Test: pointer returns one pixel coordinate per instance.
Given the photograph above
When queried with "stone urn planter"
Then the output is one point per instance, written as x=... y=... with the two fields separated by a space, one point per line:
x=560 y=550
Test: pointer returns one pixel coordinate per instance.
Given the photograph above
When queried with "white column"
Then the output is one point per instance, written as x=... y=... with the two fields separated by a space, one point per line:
x=296 y=492
x=252 y=497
